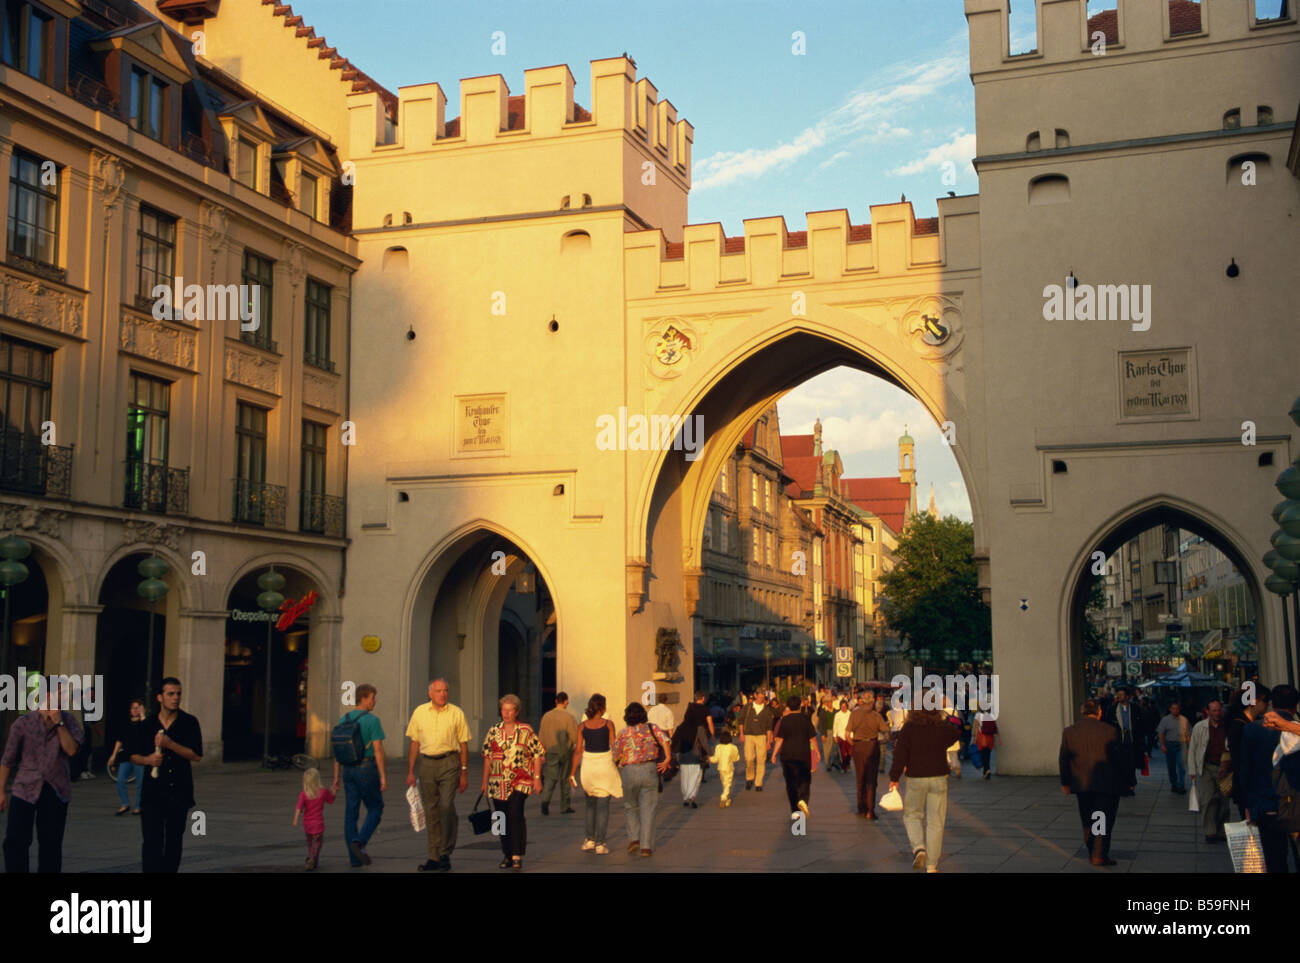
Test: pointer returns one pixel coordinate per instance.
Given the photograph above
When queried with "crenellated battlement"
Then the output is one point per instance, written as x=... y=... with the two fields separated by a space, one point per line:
x=489 y=114
x=1066 y=33
x=894 y=244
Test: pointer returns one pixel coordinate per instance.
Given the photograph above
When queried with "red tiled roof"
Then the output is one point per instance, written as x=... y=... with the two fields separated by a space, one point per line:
x=515 y=116
x=1184 y=17
x=859 y=232
x=748 y=440
x=803 y=469
x=733 y=245
x=1106 y=21
x=886 y=498
x=796 y=446
x=796 y=239
x=675 y=250
x=926 y=225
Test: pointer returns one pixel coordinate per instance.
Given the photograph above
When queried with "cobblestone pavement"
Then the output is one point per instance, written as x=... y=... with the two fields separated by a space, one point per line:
x=1008 y=824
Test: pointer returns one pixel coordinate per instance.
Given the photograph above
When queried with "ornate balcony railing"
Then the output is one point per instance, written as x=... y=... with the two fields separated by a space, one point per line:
x=33 y=468
x=318 y=361
x=321 y=514
x=157 y=488
x=257 y=503
x=259 y=339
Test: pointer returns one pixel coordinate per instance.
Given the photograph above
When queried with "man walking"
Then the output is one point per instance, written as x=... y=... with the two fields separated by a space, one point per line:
x=866 y=730
x=1094 y=765
x=168 y=743
x=1171 y=733
x=559 y=734
x=796 y=744
x=366 y=781
x=1124 y=717
x=662 y=716
x=756 y=732
x=1209 y=742
x=439 y=739
x=40 y=744
x=922 y=753
x=1259 y=756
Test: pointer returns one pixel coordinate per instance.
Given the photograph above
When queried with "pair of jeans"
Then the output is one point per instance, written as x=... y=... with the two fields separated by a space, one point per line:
x=925 y=808
x=597 y=818
x=1098 y=809
x=866 y=760
x=798 y=781
x=162 y=826
x=515 y=839
x=640 y=799
x=555 y=772
x=49 y=815
x=1174 y=760
x=439 y=779
x=361 y=785
x=124 y=772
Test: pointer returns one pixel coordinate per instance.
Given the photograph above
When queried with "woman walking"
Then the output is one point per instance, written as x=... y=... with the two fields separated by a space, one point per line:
x=512 y=770
x=600 y=779
x=636 y=750
x=692 y=748
x=126 y=769
x=985 y=728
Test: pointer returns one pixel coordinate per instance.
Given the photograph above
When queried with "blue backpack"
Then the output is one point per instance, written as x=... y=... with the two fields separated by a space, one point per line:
x=347 y=742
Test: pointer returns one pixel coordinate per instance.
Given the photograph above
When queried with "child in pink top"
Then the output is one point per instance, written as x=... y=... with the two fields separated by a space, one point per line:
x=311 y=804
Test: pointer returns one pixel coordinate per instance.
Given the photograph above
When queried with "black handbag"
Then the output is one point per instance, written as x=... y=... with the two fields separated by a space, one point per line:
x=480 y=822
x=1288 y=801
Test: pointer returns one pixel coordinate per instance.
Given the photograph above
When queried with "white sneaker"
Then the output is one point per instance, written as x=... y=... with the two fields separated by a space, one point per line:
x=588 y=845
x=602 y=850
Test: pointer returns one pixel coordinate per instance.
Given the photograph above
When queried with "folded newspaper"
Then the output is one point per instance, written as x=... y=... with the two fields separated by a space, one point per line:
x=417 y=808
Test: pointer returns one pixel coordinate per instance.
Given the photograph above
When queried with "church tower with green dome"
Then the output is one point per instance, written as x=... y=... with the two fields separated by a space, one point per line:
x=907 y=472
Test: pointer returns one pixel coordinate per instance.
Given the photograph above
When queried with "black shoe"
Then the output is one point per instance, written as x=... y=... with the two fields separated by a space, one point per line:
x=693 y=804
x=358 y=854
x=546 y=811
x=430 y=866
x=749 y=784
x=685 y=803
x=505 y=863
x=445 y=865
x=758 y=789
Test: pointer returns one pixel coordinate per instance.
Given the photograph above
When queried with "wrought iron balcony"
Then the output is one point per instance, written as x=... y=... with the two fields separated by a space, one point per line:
x=321 y=514
x=30 y=467
x=157 y=488
x=257 y=503
x=317 y=361
x=259 y=339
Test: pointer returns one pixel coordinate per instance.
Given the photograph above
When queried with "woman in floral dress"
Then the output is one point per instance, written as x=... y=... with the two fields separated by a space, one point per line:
x=512 y=769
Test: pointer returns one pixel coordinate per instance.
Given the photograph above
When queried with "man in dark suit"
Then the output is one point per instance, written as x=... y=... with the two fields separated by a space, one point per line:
x=1095 y=767
x=1125 y=717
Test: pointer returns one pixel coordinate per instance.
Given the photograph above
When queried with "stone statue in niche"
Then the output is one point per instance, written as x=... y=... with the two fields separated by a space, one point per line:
x=667 y=660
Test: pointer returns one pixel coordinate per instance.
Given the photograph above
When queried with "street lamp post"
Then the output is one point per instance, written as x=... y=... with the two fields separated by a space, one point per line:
x=269 y=601
x=152 y=588
x=13 y=550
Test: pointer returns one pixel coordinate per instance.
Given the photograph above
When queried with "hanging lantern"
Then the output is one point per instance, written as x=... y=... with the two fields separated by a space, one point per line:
x=270 y=599
x=1287 y=546
x=14 y=548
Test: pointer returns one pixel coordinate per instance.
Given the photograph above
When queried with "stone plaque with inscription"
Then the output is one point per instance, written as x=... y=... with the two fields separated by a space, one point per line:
x=1157 y=384
x=481 y=424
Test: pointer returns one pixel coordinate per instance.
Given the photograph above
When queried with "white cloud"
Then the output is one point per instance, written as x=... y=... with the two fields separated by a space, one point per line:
x=839 y=155
x=959 y=149
x=866 y=114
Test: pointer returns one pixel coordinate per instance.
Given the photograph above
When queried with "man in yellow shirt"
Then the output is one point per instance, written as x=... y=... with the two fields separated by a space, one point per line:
x=439 y=737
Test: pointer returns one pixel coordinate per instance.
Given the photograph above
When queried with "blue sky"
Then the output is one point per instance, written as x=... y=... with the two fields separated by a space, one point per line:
x=872 y=110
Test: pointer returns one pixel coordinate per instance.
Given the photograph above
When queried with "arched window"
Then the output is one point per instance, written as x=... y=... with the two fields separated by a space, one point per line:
x=1049 y=189
x=575 y=242
x=396 y=260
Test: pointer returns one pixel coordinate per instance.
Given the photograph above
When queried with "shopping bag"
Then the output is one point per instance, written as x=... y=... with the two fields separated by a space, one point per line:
x=1192 y=805
x=976 y=756
x=1243 y=846
x=417 y=808
x=891 y=802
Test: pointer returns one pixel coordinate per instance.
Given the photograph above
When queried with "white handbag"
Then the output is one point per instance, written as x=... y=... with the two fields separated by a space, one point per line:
x=1192 y=805
x=891 y=802
x=1243 y=846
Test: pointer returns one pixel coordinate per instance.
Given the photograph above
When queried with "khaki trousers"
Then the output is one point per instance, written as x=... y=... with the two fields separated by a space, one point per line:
x=755 y=758
x=439 y=779
x=925 y=807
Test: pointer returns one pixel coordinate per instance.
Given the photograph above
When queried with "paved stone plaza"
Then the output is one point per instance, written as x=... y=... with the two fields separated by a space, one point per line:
x=1005 y=825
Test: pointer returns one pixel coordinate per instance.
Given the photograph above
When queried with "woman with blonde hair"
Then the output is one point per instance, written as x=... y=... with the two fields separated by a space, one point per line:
x=512 y=770
x=600 y=780
x=311 y=804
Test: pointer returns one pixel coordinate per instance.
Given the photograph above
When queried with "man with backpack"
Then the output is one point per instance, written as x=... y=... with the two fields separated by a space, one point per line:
x=358 y=744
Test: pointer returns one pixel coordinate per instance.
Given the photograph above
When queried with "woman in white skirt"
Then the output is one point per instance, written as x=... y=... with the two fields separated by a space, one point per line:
x=600 y=778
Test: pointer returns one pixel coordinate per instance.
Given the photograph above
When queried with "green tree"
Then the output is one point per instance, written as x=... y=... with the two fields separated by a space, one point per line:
x=1094 y=619
x=931 y=597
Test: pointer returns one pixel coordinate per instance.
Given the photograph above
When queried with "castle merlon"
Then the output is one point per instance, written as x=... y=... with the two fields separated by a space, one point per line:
x=893 y=243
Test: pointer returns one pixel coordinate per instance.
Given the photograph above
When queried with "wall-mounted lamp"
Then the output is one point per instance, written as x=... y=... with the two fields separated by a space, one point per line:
x=554 y=325
x=1233 y=270
x=1058 y=467
x=410 y=333
x=403 y=497
x=1071 y=281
